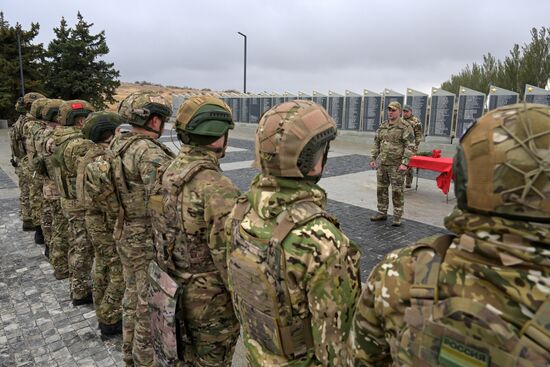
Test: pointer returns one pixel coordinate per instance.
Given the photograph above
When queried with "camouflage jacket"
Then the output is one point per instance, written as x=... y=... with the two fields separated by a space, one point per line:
x=504 y=265
x=416 y=125
x=393 y=143
x=319 y=272
x=44 y=164
x=32 y=129
x=134 y=167
x=98 y=186
x=17 y=141
x=196 y=200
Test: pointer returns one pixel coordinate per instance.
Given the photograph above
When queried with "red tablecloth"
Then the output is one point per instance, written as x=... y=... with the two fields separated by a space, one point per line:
x=443 y=165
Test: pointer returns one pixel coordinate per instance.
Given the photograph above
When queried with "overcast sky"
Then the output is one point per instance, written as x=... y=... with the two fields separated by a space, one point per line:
x=294 y=45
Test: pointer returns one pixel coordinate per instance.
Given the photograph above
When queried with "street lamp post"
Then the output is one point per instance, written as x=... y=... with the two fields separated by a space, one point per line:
x=244 y=35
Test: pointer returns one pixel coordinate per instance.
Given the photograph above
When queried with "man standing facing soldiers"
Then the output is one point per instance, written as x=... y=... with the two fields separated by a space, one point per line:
x=191 y=202
x=293 y=275
x=19 y=158
x=96 y=193
x=416 y=125
x=137 y=155
x=54 y=223
x=393 y=145
x=67 y=146
x=479 y=297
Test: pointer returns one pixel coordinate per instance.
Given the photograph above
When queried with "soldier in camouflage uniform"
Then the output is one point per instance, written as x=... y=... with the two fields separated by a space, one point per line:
x=416 y=125
x=137 y=155
x=96 y=193
x=188 y=213
x=293 y=275
x=19 y=157
x=394 y=145
x=67 y=146
x=33 y=130
x=480 y=297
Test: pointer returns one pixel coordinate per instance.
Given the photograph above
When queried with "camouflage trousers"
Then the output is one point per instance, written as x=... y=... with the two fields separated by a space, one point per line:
x=107 y=279
x=47 y=218
x=24 y=176
x=59 y=243
x=135 y=248
x=386 y=176
x=35 y=197
x=80 y=250
x=409 y=177
x=211 y=325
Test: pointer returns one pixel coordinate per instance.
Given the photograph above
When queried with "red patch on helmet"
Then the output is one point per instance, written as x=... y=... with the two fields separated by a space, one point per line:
x=77 y=106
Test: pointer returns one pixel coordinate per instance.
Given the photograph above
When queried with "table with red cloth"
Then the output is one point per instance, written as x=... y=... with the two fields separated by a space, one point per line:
x=443 y=165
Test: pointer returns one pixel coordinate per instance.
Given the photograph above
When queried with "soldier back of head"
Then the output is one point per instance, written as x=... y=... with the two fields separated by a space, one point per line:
x=73 y=112
x=480 y=297
x=139 y=108
x=100 y=126
x=24 y=103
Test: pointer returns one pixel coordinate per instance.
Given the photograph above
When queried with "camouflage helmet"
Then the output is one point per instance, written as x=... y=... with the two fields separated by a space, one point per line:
x=51 y=110
x=139 y=107
x=70 y=110
x=37 y=107
x=24 y=103
x=202 y=120
x=502 y=166
x=290 y=136
x=99 y=123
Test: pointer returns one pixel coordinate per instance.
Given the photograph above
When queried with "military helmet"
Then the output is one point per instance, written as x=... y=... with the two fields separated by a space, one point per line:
x=51 y=110
x=29 y=98
x=203 y=119
x=502 y=166
x=139 y=107
x=99 y=123
x=290 y=136
x=37 y=107
x=70 y=110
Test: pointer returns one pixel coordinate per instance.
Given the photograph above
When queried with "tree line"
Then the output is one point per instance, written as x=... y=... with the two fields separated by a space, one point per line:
x=69 y=68
x=526 y=64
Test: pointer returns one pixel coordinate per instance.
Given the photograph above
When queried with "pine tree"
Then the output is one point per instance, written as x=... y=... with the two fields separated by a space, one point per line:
x=32 y=56
x=76 y=70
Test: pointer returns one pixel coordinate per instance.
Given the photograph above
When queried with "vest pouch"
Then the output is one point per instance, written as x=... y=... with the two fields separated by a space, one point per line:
x=60 y=183
x=164 y=294
x=134 y=204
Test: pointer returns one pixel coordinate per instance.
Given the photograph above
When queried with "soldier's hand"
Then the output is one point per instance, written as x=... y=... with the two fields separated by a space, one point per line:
x=373 y=164
x=13 y=162
x=402 y=167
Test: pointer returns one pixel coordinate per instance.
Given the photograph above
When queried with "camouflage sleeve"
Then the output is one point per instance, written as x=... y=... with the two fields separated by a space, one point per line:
x=332 y=289
x=380 y=310
x=219 y=197
x=149 y=157
x=409 y=145
x=417 y=133
x=375 y=151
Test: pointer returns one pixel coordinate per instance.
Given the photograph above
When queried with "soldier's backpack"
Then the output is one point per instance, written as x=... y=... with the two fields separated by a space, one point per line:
x=168 y=330
x=436 y=334
x=259 y=290
x=58 y=161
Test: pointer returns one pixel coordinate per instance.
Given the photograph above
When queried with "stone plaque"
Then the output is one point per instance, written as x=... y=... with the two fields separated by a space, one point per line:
x=320 y=99
x=254 y=109
x=235 y=105
x=305 y=96
x=419 y=104
x=266 y=103
x=278 y=99
x=352 y=111
x=336 y=108
x=499 y=97
x=372 y=110
x=390 y=96
x=471 y=105
x=537 y=95
x=245 y=104
x=441 y=114
x=289 y=97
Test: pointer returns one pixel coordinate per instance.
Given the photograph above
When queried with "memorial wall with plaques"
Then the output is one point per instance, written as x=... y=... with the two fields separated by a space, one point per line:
x=390 y=96
x=372 y=111
x=471 y=105
x=441 y=113
x=499 y=97
x=289 y=97
x=304 y=96
x=235 y=105
x=266 y=103
x=336 y=108
x=320 y=99
x=244 y=104
x=254 y=109
x=277 y=99
x=352 y=111
x=419 y=104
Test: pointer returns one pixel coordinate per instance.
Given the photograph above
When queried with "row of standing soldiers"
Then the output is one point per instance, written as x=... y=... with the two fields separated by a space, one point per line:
x=201 y=262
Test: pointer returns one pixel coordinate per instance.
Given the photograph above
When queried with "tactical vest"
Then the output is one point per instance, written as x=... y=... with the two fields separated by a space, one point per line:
x=435 y=333
x=99 y=186
x=62 y=180
x=90 y=156
x=133 y=203
x=166 y=213
x=17 y=144
x=259 y=289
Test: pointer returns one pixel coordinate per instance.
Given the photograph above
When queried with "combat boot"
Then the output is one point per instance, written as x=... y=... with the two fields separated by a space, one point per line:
x=39 y=236
x=396 y=221
x=378 y=217
x=47 y=251
x=110 y=329
x=84 y=301
x=28 y=226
